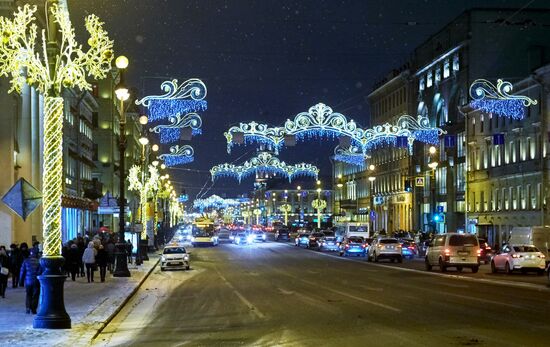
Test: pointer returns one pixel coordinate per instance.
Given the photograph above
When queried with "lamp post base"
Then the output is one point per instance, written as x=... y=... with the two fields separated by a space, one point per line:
x=143 y=247
x=51 y=310
x=121 y=269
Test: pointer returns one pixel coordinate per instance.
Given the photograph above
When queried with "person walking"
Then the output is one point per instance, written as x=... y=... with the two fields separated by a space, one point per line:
x=73 y=261
x=24 y=250
x=81 y=248
x=129 y=249
x=88 y=258
x=16 y=259
x=4 y=270
x=101 y=259
x=111 y=255
x=30 y=270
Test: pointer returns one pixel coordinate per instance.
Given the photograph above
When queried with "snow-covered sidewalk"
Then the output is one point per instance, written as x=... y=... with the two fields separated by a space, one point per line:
x=89 y=305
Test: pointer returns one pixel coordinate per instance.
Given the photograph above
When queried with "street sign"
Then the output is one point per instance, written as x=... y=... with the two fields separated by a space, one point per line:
x=419 y=181
x=440 y=209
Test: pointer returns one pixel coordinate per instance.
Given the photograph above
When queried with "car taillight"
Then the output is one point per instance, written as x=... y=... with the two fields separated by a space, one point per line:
x=487 y=247
x=411 y=247
x=479 y=252
x=347 y=246
x=364 y=246
x=542 y=256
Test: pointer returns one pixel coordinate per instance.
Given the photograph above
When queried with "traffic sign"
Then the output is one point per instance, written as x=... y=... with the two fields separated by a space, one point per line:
x=419 y=181
x=440 y=209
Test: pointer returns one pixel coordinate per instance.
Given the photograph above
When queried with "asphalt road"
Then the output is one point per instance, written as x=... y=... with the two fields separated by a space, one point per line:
x=277 y=295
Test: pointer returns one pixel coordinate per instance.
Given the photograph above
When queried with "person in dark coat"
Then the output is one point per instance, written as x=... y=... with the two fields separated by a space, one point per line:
x=4 y=263
x=24 y=250
x=16 y=260
x=81 y=247
x=72 y=261
x=129 y=249
x=101 y=259
x=111 y=253
x=30 y=270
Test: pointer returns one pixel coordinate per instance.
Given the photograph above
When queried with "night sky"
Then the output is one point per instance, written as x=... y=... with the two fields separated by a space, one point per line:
x=267 y=60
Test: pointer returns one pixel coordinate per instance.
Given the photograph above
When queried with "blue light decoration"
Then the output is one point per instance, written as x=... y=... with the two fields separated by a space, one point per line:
x=321 y=122
x=178 y=99
x=264 y=162
x=215 y=202
x=497 y=99
x=170 y=133
x=349 y=155
x=178 y=155
x=255 y=133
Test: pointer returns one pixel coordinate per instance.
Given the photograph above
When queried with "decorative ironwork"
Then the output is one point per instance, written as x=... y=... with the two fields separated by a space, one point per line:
x=178 y=99
x=264 y=162
x=498 y=100
x=178 y=155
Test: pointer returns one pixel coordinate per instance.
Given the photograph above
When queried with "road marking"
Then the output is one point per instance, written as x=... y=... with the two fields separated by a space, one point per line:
x=524 y=285
x=247 y=303
x=374 y=303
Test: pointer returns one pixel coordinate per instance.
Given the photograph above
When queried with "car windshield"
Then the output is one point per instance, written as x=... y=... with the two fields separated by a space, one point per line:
x=356 y=239
x=174 y=250
x=463 y=240
x=331 y=238
x=388 y=241
x=328 y=233
x=525 y=249
x=318 y=234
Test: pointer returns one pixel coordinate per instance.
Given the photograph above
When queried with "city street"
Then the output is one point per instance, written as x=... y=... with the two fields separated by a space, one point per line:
x=276 y=294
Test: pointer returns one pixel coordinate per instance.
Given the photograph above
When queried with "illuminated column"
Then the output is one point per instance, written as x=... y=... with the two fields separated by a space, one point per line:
x=286 y=209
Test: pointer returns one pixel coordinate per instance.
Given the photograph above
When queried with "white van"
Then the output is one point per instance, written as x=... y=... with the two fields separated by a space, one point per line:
x=538 y=236
x=351 y=229
x=453 y=250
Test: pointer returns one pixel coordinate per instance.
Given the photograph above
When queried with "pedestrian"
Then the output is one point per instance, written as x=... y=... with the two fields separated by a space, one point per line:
x=30 y=270
x=111 y=255
x=129 y=249
x=24 y=249
x=88 y=258
x=81 y=247
x=73 y=261
x=101 y=259
x=16 y=260
x=36 y=245
x=4 y=270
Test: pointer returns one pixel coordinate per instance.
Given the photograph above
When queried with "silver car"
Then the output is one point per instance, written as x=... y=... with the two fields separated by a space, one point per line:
x=174 y=257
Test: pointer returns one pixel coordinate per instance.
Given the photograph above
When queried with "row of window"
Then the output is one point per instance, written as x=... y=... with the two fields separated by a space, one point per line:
x=434 y=76
x=390 y=102
x=520 y=149
x=522 y=197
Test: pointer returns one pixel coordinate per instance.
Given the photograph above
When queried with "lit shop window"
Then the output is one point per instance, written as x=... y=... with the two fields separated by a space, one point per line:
x=437 y=75
x=456 y=63
x=429 y=79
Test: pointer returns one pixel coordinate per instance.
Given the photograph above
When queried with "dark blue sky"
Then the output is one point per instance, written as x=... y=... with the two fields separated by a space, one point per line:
x=269 y=60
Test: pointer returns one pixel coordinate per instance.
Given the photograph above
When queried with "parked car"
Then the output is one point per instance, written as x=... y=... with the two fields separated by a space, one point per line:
x=453 y=250
x=282 y=235
x=353 y=245
x=385 y=248
x=328 y=243
x=519 y=257
x=314 y=239
x=302 y=240
x=174 y=257
x=486 y=252
x=224 y=235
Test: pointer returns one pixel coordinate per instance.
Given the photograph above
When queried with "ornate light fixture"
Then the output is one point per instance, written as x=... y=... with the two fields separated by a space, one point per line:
x=321 y=122
x=285 y=208
x=350 y=155
x=255 y=133
x=178 y=155
x=172 y=132
x=497 y=99
x=264 y=162
x=52 y=70
x=319 y=205
x=178 y=99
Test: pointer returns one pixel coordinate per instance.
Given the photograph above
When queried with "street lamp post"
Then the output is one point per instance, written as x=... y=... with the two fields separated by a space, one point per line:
x=51 y=73
x=372 y=213
x=122 y=95
x=433 y=164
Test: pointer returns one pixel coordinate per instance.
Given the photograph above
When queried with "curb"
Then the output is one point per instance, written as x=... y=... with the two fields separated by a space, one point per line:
x=124 y=302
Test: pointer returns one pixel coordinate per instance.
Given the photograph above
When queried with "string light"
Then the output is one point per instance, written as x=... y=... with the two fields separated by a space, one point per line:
x=498 y=100
x=178 y=99
x=178 y=155
x=170 y=133
x=263 y=163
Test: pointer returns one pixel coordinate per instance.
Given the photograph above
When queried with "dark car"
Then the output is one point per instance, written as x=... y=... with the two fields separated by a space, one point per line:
x=486 y=252
x=353 y=245
x=282 y=235
x=408 y=248
x=314 y=239
x=302 y=240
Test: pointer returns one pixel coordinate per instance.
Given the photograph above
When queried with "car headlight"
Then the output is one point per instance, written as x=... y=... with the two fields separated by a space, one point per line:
x=250 y=238
x=192 y=239
x=162 y=258
x=263 y=236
